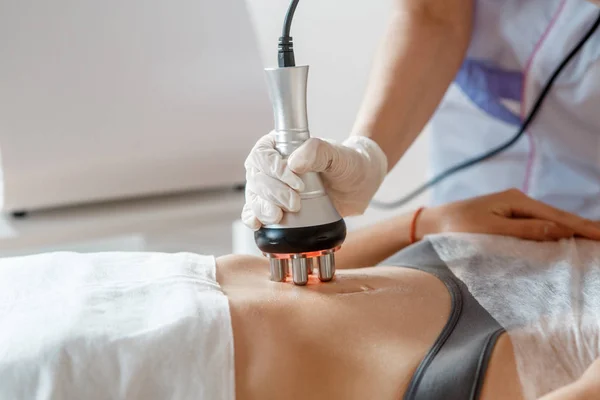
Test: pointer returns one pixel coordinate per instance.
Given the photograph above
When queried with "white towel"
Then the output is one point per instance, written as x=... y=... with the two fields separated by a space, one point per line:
x=114 y=326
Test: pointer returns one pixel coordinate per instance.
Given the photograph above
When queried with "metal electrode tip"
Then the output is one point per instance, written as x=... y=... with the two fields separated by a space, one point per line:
x=326 y=264
x=299 y=266
x=279 y=269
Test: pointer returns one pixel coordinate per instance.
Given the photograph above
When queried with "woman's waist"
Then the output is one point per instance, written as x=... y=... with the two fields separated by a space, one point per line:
x=361 y=356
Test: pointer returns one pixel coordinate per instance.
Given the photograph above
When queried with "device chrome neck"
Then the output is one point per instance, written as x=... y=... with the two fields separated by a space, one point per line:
x=287 y=91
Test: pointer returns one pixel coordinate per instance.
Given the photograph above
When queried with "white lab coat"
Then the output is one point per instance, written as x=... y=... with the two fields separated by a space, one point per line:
x=516 y=45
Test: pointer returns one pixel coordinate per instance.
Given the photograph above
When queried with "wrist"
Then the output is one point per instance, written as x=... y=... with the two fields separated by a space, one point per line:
x=426 y=223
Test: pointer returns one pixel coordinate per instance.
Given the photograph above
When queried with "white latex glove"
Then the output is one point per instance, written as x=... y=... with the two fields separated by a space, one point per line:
x=351 y=172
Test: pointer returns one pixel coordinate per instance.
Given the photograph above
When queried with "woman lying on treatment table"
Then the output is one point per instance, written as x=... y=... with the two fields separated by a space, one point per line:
x=364 y=335
x=100 y=329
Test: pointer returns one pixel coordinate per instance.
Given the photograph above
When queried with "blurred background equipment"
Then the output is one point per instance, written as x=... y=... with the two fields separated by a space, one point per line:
x=108 y=100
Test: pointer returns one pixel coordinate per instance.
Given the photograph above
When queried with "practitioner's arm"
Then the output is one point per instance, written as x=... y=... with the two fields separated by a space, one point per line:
x=509 y=213
x=422 y=49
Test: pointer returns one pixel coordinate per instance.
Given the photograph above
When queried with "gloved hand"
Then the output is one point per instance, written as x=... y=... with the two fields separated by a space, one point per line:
x=351 y=172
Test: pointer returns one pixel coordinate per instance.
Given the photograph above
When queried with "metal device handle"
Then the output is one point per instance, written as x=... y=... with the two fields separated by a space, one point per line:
x=287 y=90
x=313 y=233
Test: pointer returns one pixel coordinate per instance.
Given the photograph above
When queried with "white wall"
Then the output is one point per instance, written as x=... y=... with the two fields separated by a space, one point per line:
x=103 y=100
x=338 y=39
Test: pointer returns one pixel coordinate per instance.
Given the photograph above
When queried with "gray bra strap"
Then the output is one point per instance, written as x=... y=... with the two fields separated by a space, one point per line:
x=455 y=366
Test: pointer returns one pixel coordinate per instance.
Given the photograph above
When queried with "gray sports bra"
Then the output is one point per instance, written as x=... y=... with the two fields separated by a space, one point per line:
x=454 y=367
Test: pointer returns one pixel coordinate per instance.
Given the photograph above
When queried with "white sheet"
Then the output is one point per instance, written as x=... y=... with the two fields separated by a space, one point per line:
x=114 y=326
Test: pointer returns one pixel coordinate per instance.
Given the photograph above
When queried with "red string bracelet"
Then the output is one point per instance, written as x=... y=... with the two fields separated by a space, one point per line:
x=413 y=225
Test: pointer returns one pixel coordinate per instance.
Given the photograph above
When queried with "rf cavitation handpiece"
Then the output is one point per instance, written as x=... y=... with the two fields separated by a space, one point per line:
x=306 y=240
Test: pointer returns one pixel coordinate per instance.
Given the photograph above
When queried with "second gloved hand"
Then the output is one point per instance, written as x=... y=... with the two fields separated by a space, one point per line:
x=351 y=171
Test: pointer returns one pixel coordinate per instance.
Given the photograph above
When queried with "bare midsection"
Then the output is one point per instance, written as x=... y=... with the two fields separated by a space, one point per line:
x=362 y=337
x=501 y=379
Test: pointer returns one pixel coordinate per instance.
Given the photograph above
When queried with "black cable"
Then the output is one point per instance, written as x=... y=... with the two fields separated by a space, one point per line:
x=476 y=160
x=287 y=25
x=285 y=54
